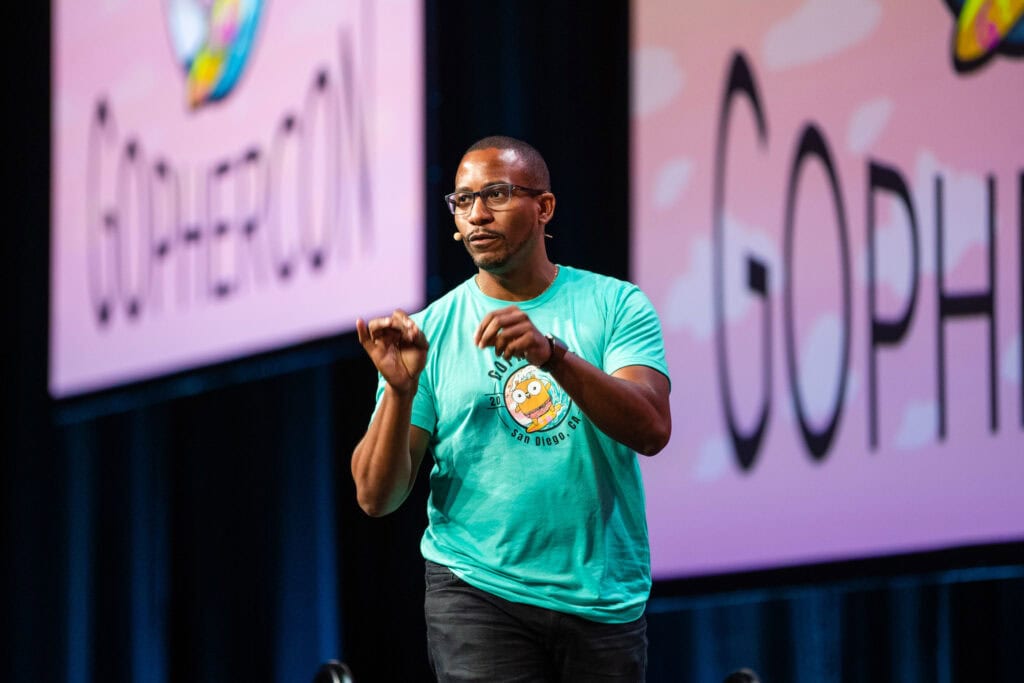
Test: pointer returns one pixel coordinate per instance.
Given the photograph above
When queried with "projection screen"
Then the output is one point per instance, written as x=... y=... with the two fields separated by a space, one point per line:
x=828 y=213
x=228 y=178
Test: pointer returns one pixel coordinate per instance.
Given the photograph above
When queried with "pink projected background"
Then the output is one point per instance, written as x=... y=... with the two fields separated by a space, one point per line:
x=269 y=198
x=920 y=142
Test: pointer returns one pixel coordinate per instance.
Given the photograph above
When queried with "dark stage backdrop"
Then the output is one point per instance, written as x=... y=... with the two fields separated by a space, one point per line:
x=204 y=528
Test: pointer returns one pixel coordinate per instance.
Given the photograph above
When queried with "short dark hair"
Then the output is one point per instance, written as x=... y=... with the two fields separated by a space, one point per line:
x=536 y=167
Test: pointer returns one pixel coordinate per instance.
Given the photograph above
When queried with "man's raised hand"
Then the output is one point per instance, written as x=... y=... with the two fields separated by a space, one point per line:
x=397 y=347
x=512 y=334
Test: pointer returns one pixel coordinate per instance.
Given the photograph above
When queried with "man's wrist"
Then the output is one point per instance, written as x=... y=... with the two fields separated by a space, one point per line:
x=557 y=351
x=404 y=391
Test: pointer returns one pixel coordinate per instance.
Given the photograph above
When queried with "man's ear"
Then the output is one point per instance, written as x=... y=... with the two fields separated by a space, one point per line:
x=547 y=208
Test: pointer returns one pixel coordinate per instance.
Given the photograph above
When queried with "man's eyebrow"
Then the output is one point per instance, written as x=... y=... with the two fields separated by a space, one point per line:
x=465 y=188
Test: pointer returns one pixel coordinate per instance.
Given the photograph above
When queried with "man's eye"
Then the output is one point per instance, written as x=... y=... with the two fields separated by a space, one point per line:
x=463 y=199
x=496 y=193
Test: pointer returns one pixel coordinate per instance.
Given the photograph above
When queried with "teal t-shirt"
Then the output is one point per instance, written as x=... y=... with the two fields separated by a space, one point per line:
x=528 y=499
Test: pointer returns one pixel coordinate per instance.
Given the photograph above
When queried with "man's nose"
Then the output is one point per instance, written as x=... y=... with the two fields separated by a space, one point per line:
x=479 y=214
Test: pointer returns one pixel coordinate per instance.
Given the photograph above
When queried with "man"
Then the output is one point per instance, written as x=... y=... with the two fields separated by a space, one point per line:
x=536 y=549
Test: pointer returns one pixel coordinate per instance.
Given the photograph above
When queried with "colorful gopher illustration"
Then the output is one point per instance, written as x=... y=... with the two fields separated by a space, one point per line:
x=532 y=398
x=212 y=40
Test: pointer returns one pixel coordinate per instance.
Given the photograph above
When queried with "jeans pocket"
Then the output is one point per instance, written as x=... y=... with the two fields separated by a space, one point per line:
x=438 y=576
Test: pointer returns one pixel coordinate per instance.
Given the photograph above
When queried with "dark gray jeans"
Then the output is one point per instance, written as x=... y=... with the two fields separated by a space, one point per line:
x=475 y=636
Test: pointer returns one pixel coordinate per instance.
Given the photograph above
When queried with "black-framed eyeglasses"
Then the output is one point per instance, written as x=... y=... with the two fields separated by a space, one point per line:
x=494 y=196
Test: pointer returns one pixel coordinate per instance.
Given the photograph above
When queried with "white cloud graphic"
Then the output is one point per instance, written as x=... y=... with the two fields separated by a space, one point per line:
x=657 y=79
x=965 y=224
x=689 y=300
x=852 y=387
x=688 y=304
x=819 y=29
x=187 y=22
x=819 y=364
x=788 y=413
x=672 y=180
x=892 y=255
x=1009 y=364
x=712 y=460
x=818 y=375
x=919 y=425
x=964 y=211
x=867 y=123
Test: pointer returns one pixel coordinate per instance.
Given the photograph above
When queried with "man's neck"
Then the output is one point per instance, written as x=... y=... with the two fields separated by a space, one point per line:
x=519 y=285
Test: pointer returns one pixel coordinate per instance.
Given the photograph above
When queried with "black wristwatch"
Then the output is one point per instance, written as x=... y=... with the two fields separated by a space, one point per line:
x=558 y=351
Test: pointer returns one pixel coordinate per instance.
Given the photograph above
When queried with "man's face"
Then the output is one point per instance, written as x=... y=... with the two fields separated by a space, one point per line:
x=498 y=240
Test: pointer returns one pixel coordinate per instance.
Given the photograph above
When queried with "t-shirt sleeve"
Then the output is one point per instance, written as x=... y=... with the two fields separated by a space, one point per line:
x=634 y=334
x=423 y=414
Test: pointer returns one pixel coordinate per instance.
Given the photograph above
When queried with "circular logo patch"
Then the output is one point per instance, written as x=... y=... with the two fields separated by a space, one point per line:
x=534 y=401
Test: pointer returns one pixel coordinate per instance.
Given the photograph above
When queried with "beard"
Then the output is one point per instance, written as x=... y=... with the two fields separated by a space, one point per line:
x=501 y=256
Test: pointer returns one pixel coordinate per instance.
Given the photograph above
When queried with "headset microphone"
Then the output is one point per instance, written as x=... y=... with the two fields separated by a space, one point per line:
x=457 y=237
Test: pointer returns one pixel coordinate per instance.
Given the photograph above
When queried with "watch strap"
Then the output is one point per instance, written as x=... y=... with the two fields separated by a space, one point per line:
x=558 y=351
